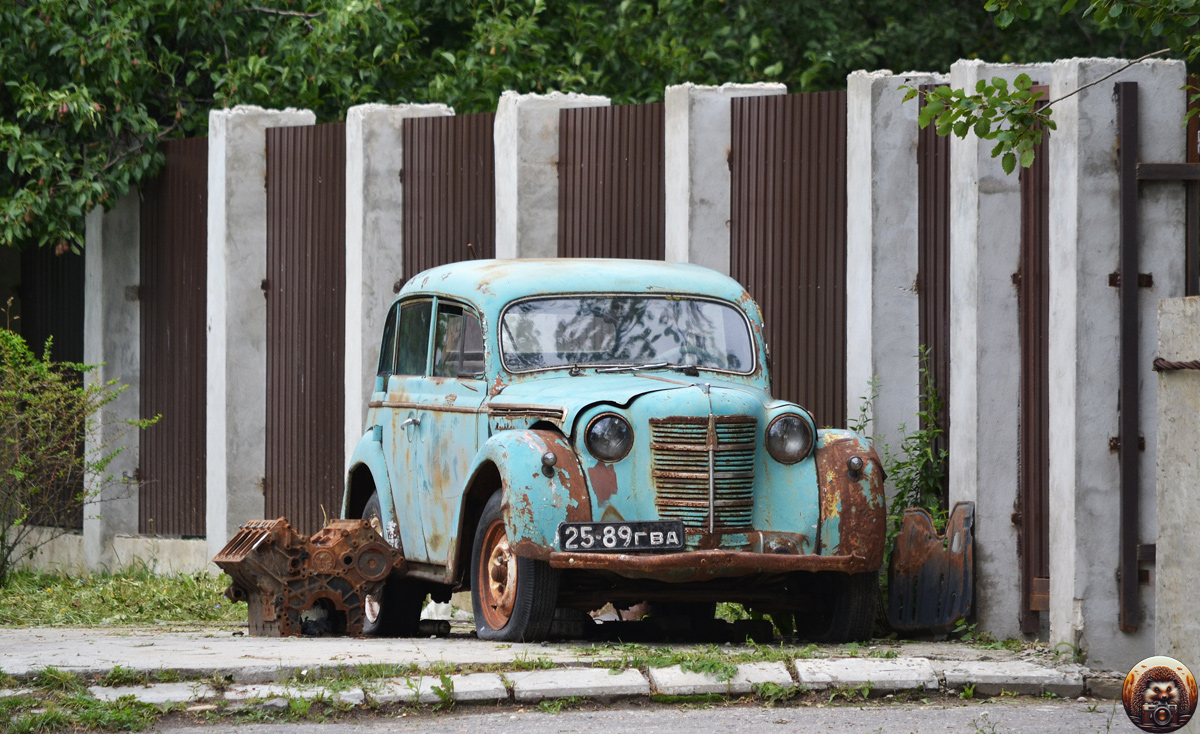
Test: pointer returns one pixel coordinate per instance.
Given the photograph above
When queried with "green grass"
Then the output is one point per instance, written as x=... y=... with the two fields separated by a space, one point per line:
x=129 y=598
x=59 y=710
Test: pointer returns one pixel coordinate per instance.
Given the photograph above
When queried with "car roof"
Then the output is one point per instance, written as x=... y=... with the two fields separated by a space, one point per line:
x=493 y=283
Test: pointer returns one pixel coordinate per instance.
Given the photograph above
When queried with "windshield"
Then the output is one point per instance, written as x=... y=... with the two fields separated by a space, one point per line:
x=625 y=330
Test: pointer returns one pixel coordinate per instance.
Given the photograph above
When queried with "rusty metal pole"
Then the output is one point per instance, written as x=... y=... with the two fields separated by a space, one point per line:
x=1127 y=129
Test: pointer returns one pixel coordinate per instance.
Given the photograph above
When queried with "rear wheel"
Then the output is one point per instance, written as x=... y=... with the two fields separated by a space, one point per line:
x=513 y=597
x=395 y=610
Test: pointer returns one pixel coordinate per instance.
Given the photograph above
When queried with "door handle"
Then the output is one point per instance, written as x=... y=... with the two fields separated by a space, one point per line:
x=414 y=421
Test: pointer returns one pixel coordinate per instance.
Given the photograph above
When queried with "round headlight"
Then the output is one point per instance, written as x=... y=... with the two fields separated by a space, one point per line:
x=789 y=438
x=609 y=437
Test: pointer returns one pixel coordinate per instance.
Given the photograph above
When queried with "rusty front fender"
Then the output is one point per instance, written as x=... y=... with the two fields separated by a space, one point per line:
x=853 y=508
x=536 y=497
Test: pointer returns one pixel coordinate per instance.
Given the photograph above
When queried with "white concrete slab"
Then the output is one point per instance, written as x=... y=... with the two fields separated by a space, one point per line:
x=674 y=681
x=884 y=675
x=579 y=682
x=156 y=693
x=274 y=690
x=992 y=678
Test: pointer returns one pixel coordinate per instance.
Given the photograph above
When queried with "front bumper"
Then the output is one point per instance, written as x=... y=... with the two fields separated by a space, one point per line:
x=701 y=565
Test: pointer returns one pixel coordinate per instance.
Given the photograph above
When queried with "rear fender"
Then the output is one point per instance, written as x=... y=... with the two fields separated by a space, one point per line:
x=369 y=454
x=537 y=497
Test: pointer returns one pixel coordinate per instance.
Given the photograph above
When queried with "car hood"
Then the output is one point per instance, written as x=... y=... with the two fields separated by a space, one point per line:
x=575 y=394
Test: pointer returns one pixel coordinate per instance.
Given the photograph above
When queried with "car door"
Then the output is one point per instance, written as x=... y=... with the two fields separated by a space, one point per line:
x=402 y=439
x=450 y=423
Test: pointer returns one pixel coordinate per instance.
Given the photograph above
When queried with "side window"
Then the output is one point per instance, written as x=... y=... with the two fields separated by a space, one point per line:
x=413 y=352
x=387 y=346
x=458 y=343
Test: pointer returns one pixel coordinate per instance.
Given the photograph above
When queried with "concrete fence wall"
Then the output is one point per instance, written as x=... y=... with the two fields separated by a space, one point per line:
x=882 y=303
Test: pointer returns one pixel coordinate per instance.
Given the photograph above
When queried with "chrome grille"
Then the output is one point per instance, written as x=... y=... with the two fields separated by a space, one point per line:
x=680 y=445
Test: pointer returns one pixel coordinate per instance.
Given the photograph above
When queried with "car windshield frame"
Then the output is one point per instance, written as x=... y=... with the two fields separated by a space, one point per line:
x=750 y=333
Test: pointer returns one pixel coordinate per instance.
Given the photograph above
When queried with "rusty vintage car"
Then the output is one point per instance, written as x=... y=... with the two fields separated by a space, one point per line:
x=561 y=434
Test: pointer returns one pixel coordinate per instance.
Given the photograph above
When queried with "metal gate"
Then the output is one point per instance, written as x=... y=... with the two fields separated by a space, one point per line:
x=611 y=191
x=1033 y=282
x=305 y=291
x=172 y=298
x=933 y=270
x=788 y=239
x=449 y=179
x=51 y=294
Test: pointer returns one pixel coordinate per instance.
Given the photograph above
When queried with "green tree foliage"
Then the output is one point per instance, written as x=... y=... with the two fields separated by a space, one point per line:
x=1015 y=117
x=91 y=86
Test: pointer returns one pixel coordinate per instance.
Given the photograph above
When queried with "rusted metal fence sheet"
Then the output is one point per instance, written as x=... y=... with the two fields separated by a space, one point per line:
x=305 y=291
x=931 y=577
x=51 y=294
x=933 y=269
x=1034 y=306
x=611 y=192
x=449 y=190
x=788 y=239
x=172 y=300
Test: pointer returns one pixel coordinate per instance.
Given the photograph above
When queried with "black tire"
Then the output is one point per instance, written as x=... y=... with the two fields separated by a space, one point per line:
x=396 y=610
x=853 y=598
x=528 y=613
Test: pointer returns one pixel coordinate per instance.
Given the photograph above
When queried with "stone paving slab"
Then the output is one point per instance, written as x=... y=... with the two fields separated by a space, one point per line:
x=885 y=675
x=155 y=693
x=539 y=685
x=992 y=678
x=675 y=681
x=7 y=692
x=274 y=690
x=465 y=688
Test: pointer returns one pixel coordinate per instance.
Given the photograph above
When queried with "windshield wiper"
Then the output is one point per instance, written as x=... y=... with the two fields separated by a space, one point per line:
x=687 y=369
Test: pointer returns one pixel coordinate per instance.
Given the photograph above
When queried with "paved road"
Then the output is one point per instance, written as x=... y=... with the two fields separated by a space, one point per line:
x=988 y=717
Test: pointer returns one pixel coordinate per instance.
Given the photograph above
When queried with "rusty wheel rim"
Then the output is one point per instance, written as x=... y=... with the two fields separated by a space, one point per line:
x=372 y=602
x=497 y=576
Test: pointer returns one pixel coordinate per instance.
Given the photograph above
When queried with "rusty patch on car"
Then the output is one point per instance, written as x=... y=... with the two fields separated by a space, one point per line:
x=705 y=564
x=566 y=468
x=603 y=479
x=857 y=502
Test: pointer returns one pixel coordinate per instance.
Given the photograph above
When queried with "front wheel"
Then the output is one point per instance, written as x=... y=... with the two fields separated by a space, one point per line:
x=513 y=597
x=853 y=597
x=395 y=610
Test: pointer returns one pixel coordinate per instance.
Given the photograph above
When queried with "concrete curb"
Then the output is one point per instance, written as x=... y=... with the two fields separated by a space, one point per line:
x=861 y=676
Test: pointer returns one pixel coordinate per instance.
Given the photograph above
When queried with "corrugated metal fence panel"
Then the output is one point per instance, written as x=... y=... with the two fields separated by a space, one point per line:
x=1034 y=295
x=449 y=190
x=172 y=295
x=306 y=275
x=611 y=193
x=933 y=268
x=788 y=239
x=52 y=306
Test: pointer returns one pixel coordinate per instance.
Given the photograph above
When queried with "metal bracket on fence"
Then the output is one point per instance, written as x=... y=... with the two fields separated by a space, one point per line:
x=1165 y=365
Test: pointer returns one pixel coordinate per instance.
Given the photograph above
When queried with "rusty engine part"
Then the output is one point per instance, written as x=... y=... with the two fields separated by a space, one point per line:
x=296 y=585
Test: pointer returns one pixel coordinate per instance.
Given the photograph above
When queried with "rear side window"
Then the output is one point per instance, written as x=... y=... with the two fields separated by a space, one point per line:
x=412 y=353
x=458 y=343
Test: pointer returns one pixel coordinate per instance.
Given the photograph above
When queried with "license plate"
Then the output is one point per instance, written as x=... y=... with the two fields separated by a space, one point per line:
x=619 y=537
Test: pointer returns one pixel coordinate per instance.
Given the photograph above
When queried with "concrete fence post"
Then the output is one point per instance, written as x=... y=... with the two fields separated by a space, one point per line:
x=882 y=317
x=1084 y=340
x=698 y=128
x=526 y=138
x=985 y=355
x=374 y=241
x=237 y=315
x=1177 y=626
x=112 y=342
